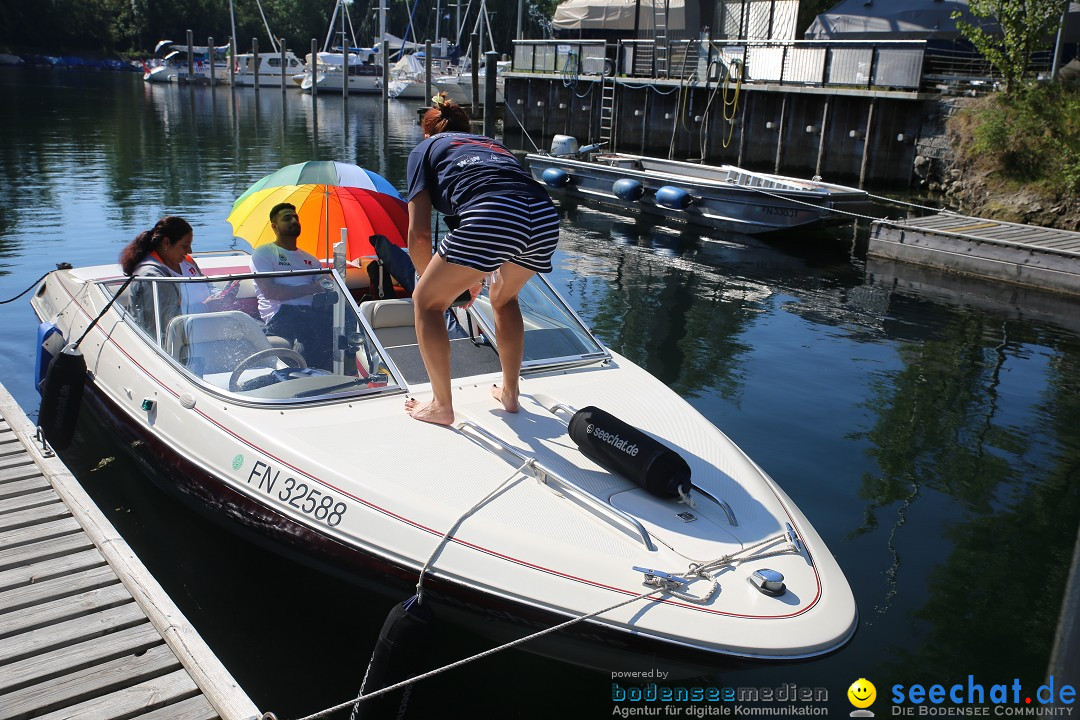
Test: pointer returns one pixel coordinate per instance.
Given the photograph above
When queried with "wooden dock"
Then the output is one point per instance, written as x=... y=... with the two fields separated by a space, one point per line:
x=85 y=631
x=1022 y=254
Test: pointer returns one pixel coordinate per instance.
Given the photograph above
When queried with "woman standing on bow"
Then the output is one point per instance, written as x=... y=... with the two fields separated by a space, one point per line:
x=500 y=219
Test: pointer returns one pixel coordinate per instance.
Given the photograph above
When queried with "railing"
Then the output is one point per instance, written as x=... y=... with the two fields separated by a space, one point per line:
x=855 y=63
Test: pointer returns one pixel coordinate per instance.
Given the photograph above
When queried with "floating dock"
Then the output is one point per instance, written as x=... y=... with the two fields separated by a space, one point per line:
x=85 y=631
x=1023 y=254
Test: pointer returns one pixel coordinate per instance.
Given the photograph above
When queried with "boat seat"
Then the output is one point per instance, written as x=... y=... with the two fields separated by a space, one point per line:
x=392 y=321
x=214 y=342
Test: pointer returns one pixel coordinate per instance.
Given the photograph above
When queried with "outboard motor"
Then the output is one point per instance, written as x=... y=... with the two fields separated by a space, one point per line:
x=567 y=145
x=564 y=145
x=622 y=448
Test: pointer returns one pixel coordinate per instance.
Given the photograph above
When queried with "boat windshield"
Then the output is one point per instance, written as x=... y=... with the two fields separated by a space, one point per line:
x=554 y=336
x=311 y=347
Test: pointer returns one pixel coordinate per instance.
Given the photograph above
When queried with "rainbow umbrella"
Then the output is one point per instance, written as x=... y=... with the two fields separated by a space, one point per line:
x=324 y=210
x=324 y=172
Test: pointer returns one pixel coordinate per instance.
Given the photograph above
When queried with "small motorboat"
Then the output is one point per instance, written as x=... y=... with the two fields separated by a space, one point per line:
x=606 y=492
x=719 y=196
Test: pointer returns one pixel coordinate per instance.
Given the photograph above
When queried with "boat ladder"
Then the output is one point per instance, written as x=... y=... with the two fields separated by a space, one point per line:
x=607 y=110
x=567 y=488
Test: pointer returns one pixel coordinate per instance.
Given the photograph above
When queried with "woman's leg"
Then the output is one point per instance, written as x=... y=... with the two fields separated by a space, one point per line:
x=509 y=330
x=439 y=285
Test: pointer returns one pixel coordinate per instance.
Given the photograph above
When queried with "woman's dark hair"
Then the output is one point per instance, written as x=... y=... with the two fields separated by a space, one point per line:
x=445 y=116
x=171 y=228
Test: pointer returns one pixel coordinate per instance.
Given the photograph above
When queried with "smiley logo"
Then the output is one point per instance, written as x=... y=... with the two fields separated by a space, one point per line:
x=862 y=693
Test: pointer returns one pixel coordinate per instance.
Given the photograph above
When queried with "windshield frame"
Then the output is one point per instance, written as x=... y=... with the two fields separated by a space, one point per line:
x=395 y=381
x=550 y=363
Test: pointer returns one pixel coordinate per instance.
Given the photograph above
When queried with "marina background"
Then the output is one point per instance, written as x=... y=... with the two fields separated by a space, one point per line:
x=928 y=429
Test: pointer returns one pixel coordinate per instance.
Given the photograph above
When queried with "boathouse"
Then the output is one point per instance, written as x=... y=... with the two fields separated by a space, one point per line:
x=857 y=99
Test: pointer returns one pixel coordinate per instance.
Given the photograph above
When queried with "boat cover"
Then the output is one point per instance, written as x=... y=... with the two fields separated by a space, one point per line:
x=616 y=14
x=907 y=20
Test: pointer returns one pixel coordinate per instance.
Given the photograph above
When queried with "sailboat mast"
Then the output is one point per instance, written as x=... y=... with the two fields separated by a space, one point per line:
x=382 y=21
x=232 y=19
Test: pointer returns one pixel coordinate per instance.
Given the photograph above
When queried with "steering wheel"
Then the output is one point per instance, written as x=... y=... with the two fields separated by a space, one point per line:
x=288 y=355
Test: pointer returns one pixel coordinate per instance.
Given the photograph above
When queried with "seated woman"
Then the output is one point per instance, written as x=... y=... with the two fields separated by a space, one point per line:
x=163 y=251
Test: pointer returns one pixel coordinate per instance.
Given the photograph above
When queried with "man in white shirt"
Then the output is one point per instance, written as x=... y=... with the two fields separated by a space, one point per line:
x=285 y=302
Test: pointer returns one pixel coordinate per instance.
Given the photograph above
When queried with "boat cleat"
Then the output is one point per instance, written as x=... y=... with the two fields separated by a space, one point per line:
x=661 y=579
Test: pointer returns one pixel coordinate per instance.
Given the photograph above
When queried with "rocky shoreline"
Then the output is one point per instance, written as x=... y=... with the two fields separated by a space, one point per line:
x=972 y=192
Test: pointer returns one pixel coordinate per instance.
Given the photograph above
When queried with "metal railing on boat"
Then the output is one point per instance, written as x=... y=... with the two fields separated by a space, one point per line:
x=568 y=488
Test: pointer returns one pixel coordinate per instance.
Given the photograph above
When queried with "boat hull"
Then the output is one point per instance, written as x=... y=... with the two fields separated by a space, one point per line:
x=767 y=208
x=528 y=559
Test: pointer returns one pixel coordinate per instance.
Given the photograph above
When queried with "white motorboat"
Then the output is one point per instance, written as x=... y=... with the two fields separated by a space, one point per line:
x=458 y=85
x=364 y=72
x=519 y=518
x=171 y=62
x=725 y=197
x=269 y=69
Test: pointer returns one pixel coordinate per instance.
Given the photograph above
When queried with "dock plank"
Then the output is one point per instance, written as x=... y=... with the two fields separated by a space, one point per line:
x=20 y=647
x=16 y=520
x=48 y=569
x=27 y=501
x=61 y=540
x=28 y=597
x=73 y=658
x=88 y=683
x=149 y=695
x=15 y=458
x=19 y=470
x=23 y=486
x=196 y=708
x=61 y=609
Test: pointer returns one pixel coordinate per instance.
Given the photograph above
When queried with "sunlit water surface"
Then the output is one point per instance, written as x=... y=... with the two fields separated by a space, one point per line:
x=929 y=429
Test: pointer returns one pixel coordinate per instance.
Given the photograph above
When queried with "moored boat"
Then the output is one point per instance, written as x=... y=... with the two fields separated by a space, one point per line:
x=267 y=71
x=534 y=517
x=720 y=196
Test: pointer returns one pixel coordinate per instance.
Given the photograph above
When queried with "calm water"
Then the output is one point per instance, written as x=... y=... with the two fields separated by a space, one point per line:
x=933 y=442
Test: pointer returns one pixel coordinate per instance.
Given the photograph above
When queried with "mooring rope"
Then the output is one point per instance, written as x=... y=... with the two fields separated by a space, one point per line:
x=506 y=106
x=479 y=656
x=59 y=266
x=873 y=218
x=695 y=571
x=910 y=204
x=517 y=474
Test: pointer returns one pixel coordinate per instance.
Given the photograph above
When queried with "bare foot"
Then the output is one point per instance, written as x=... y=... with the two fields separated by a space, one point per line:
x=428 y=412
x=509 y=402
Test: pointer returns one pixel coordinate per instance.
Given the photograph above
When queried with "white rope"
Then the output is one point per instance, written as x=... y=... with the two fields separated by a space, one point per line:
x=694 y=571
x=521 y=125
x=479 y=656
x=910 y=204
x=873 y=218
x=457 y=523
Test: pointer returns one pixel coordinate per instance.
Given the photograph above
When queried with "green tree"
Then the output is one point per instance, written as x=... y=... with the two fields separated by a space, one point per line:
x=1026 y=26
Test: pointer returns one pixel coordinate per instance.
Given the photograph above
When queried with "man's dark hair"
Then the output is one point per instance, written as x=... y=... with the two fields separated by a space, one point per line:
x=274 y=211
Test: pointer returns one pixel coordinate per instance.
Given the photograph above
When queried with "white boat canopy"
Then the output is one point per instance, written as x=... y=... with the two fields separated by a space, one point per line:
x=906 y=20
x=616 y=14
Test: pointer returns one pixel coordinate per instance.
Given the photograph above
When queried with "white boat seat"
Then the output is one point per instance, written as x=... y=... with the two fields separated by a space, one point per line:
x=392 y=321
x=214 y=342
